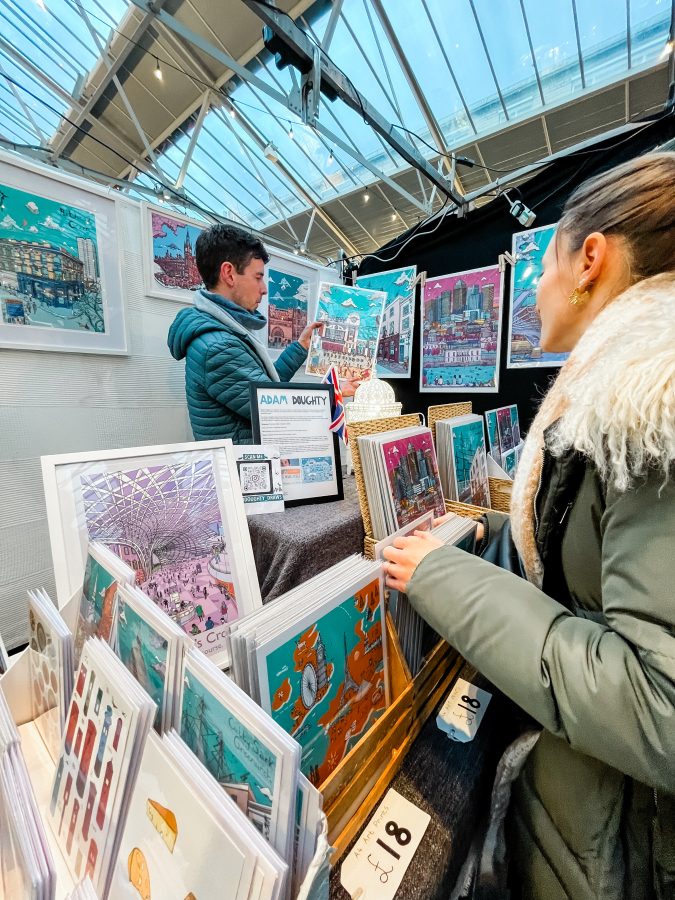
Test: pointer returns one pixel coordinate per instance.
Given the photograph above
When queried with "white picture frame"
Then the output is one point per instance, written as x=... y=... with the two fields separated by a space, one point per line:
x=300 y=267
x=472 y=275
x=528 y=242
x=95 y=284
x=153 y=286
x=70 y=535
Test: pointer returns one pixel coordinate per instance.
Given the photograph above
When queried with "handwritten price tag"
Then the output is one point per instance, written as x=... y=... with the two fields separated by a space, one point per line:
x=463 y=710
x=378 y=861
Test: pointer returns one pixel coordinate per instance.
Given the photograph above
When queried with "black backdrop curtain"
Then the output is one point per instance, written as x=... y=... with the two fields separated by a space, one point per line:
x=478 y=239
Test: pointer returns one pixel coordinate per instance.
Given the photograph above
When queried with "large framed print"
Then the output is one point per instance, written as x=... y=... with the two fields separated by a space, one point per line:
x=291 y=299
x=525 y=351
x=60 y=282
x=174 y=514
x=394 y=349
x=169 y=255
x=461 y=332
x=296 y=418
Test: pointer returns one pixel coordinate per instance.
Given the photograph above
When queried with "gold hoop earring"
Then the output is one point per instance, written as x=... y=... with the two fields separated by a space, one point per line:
x=579 y=297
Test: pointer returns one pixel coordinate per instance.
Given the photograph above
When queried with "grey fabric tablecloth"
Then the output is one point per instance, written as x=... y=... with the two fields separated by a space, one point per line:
x=300 y=542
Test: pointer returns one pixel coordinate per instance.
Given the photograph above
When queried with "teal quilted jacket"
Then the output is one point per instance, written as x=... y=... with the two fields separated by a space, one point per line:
x=221 y=359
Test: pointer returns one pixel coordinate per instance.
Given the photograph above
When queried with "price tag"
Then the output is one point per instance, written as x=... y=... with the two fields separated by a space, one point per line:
x=463 y=711
x=379 y=859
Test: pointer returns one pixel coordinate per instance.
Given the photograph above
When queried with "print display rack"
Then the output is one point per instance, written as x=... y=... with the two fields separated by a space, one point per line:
x=500 y=488
x=353 y=790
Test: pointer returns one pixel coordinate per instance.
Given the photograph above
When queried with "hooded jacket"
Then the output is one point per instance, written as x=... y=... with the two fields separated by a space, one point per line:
x=587 y=646
x=222 y=357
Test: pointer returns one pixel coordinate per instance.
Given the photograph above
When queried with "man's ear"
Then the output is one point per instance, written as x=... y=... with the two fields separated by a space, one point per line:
x=227 y=272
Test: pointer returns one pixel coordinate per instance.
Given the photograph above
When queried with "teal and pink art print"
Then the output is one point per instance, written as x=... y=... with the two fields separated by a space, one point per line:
x=287 y=307
x=237 y=759
x=352 y=317
x=394 y=349
x=174 y=273
x=49 y=265
x=470 y=463
x=412 y=473
x=324 y=681
x=165 y=522
x=144 y=652
x=97 y=612
x=461 y=329
x=524 y=323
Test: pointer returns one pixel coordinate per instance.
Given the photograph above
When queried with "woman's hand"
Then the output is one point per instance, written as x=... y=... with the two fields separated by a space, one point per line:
x=404 y=556
x=306 y=334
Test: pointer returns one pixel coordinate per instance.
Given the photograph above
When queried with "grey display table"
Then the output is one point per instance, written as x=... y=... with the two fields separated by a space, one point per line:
x=300 y=542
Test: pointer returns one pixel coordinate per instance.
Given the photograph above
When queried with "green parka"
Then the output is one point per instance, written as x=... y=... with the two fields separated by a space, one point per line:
x=592 y=658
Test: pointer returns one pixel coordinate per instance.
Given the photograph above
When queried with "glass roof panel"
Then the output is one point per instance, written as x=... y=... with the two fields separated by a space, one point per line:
x=650 y=23
x=509 y=50
x=52 y=35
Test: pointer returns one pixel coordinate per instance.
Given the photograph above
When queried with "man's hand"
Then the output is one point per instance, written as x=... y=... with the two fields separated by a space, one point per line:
x=403 y=557
x=348 y=386
x=306 y=335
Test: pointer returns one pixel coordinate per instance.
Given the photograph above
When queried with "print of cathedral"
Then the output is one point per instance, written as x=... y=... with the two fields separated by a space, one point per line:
x=179 y=271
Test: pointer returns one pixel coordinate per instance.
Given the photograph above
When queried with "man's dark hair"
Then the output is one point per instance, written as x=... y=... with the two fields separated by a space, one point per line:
x=224 y=243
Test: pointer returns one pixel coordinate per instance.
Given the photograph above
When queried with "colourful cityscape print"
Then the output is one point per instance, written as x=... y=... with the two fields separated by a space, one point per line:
x=49 y=264
x=414 y=482
x=287 y=308
x=461 y=330
x=165 y=522
x=352 y=318
x=144 y=652
x=97 y=605
x=524 y=324
x=241 y=763
x=394 y=349
x=173 y=253
x=327 y=683
x=470 y=463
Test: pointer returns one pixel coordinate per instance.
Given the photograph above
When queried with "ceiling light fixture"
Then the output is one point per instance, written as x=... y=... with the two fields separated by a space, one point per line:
x=158 y=71
x=366 y=195
x=290 y=133
x=233 y=112
x=330 y=158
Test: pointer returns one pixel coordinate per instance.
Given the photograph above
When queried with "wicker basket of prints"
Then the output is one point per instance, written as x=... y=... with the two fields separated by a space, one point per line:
x=500 y=488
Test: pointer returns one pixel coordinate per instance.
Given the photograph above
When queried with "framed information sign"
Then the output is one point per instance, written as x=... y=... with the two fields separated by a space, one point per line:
x=296 y=418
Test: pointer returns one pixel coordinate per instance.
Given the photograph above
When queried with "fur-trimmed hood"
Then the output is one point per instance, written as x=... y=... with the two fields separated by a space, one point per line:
x=613 y=401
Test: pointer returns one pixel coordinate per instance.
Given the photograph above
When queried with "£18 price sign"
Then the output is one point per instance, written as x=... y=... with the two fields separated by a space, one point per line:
x=378 y=861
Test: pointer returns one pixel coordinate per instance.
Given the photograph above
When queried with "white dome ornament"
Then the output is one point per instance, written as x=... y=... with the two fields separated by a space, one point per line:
x=373 y=399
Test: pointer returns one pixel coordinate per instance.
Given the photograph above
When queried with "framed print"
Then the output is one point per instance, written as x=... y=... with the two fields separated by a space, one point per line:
x=291 y=299
x=296 y=418
x=60 y=282
x=525 y=352
x=394 y=349
x=461 y=331
x=169 y=256
x=174 y=514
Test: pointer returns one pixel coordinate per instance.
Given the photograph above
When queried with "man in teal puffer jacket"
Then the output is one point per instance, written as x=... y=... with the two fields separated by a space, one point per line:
x=217 y=336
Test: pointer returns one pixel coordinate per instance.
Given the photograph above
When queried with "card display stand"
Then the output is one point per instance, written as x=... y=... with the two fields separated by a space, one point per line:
x=500 y=488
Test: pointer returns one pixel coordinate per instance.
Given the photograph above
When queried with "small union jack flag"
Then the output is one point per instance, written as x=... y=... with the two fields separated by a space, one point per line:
x=338 y=425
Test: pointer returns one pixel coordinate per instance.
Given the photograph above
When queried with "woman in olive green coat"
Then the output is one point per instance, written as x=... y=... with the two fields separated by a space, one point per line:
x=586 y=644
